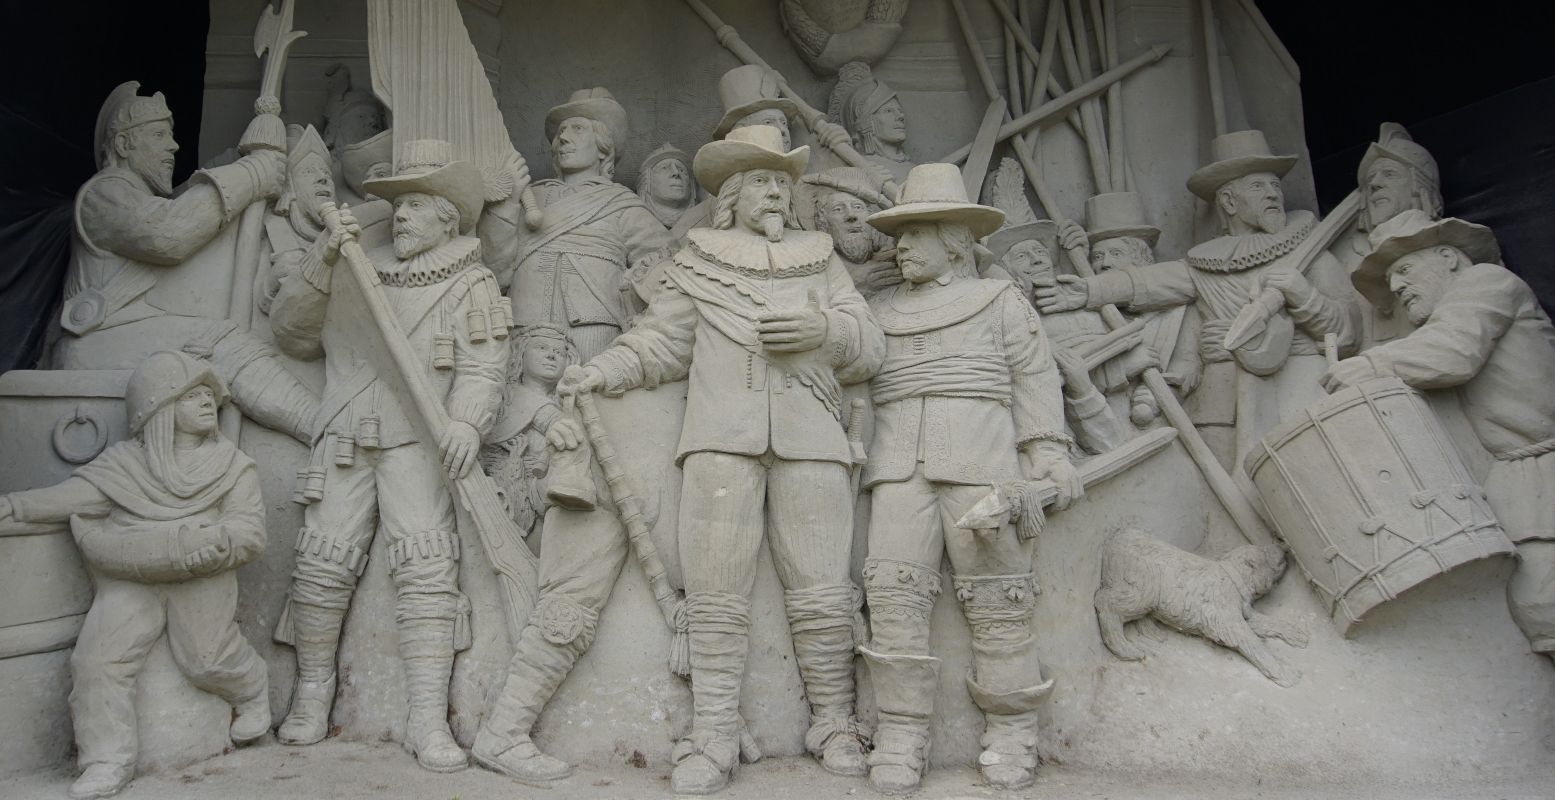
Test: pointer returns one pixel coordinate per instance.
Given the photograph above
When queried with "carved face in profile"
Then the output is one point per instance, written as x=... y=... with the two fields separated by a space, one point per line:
x=544 y=359
x=921 y=253
x=1256 y=201
x=842 y=215
x=148 y=150
x=575 y=148
x=889 y=122
x=1120 y=252
x=1031 y=264
x=669 y=181
x=1389 y=190
x=313 y=183
x=421 y=223
x=1420 y=279
x=772 y=117
x=763 y=202
x=195 y=411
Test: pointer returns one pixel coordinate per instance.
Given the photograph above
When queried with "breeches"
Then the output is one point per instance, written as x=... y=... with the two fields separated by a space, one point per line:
x=807 y=508
x=125 y=620
x=400 y=488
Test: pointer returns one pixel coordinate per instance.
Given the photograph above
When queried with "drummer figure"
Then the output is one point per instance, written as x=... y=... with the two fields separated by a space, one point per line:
x=1480 y=330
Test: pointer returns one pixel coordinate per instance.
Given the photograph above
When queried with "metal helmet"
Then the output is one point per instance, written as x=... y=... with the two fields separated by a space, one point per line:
x=164 y=377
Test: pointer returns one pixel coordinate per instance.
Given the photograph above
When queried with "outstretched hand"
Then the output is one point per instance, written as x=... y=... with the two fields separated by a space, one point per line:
x=578 y=380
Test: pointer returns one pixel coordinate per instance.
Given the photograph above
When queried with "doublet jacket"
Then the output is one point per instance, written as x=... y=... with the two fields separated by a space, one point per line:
x=967 y=380
x=571 y=271
x=448 y=306
x=742 y=398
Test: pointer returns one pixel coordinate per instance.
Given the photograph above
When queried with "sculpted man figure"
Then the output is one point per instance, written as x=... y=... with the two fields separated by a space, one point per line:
x=369 y=465
x=351 y=116
x=1120 y=237
x=968 y=398
x=130 y=227
x=873 y=116
x=665 y=186
x=1395 y=175
x=1246 y=392
x=843 y=199
x=163 y=521
x=766 y=321
x=1482 y=333
x=571 y=272
x=299 y=211
x=750 y=95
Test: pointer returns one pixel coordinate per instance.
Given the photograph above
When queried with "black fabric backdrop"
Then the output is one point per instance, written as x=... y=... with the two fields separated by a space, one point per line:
x=1472 y=83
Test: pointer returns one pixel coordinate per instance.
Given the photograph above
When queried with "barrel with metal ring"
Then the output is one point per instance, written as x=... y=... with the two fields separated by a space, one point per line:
x=1372 y=497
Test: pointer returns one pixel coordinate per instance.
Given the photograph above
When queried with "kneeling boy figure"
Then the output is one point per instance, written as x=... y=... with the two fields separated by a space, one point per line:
x=968 y=398
x=163 y=522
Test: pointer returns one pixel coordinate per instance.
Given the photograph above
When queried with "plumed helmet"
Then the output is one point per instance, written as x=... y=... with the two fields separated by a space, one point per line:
x=124 y=109
x=164 y=377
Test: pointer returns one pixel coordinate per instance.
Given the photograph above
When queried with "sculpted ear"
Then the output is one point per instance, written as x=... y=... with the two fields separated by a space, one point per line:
x=1454 y=257
x=1226 y=200
x=121 y=145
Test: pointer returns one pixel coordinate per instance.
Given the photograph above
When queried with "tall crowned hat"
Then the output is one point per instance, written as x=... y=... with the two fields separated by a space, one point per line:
x=1234 y=155
x=428 y=165
x=1414 y=230
x=1112 y=215
x=752 y=147
x=936 y=193
x=358 y=157
x=1394 y=142
x=307 y=142
x=125 y=108
x=597 y=104
x=745 y=90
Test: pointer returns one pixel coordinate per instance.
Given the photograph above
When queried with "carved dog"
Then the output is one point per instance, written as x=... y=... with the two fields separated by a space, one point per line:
x=1143 y=577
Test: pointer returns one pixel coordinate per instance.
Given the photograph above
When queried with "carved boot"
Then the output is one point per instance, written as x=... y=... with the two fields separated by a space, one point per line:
x=720 y=640
x=904 y=693
x=102 y=780
x=546 y=650
x=251 y=718
x=1009 y=741
x=427 y=648
x=315 y=632
x=821 y=622
x=1006 y=681
x=266 y=391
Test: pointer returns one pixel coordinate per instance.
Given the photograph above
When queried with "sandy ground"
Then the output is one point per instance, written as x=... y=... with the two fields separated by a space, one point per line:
x=337 y=770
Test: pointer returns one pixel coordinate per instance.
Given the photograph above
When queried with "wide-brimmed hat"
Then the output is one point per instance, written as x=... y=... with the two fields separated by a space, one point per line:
x=1043 y=230
x=427 y=165
x=1394 y=142
x=936 y=193
x=357 y=158
x=1116 y=214
x=1409 y=232
x=597 y=104
x=751 y=147
x=745 y=90
x=851 y=180
x=1234 y=155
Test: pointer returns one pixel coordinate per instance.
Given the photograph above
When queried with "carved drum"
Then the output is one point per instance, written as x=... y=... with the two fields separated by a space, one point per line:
x=1372 y=497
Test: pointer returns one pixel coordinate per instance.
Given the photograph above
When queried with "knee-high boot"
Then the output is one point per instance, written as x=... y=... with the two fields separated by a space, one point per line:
x=547 y=648
x=314 y=616
x=821 y=621
x=427 y=650
x=1006 y=681
x=720 y=641
x=904 y=693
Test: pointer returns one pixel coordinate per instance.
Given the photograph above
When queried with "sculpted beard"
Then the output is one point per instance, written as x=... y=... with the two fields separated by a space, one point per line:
x=409 y=238
x=855 y=245
x=1272 y=220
